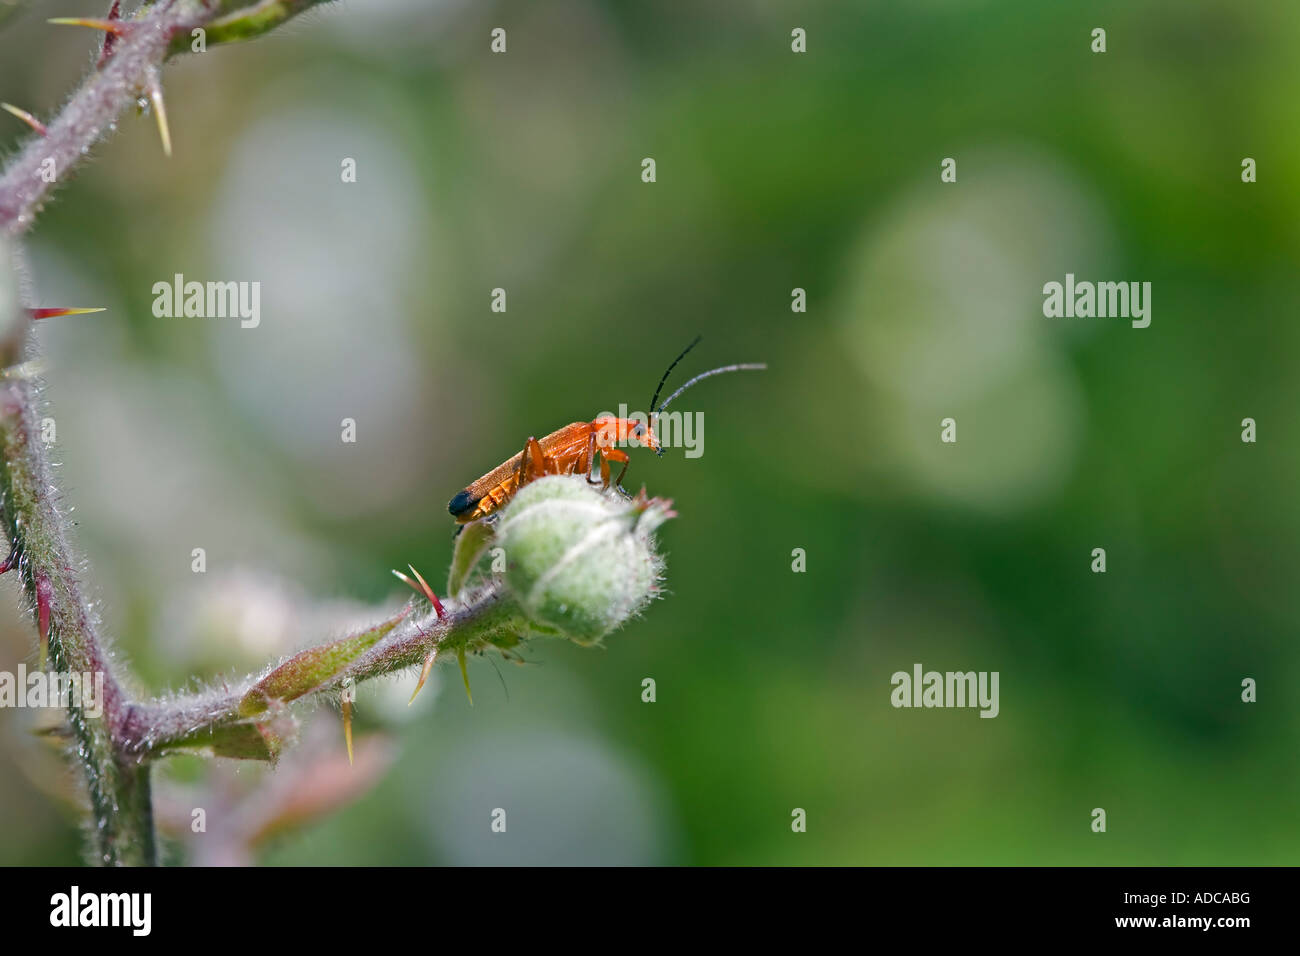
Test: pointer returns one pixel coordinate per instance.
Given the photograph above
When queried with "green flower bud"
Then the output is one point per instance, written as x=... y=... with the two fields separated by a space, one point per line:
x=580 y=561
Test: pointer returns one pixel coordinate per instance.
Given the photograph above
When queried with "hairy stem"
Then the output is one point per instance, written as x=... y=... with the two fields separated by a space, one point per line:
x=33 y=524
x=116 y=775
x=128 y=74
x=48 y=160
x=490 y=619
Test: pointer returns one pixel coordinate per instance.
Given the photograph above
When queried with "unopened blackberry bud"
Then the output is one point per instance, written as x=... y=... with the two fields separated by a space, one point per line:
x=580 y=561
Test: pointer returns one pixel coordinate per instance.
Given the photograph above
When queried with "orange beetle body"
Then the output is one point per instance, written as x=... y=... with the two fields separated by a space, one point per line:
x=572 y=450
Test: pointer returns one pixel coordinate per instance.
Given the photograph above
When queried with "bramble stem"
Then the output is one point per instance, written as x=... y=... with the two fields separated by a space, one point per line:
x=88 y=116
x=33 y=524
x=212 y=720
x=110 y=90
x=247 y=721
x=116 y=771
x=116 y=749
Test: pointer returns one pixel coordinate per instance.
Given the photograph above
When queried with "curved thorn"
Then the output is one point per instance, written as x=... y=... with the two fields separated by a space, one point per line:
x=464 y=674
x=10 y=561
x=428 y=591
x=26 y=117
x=55 y=313
x=116 y=27
x=160 y=112
x=424 y=675
x=422 y=588
x=347 y=725
x=405 y=580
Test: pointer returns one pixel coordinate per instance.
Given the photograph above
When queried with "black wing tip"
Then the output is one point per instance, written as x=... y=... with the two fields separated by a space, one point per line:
x=461 y=504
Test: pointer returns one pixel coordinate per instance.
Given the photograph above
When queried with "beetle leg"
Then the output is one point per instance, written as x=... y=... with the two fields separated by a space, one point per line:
x=589 y=458
x=534 y=457
x=612 y=454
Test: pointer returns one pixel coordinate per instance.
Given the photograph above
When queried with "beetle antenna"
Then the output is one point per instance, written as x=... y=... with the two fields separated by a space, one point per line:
x=660 y=388
x=747 y=366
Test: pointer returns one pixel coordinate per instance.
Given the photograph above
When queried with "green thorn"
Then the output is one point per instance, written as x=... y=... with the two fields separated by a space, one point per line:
x=464 y=674
x=347 y=725
x=424 y=673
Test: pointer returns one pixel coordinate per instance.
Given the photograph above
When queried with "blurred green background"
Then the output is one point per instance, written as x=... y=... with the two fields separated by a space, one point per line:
x=775 y=171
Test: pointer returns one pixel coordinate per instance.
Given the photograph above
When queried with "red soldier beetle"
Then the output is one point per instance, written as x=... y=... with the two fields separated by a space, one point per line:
x=572 y=450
